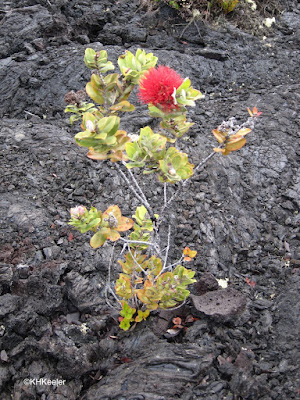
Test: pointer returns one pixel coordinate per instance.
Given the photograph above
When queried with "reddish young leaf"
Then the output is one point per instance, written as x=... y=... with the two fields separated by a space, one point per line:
x=125 y=360
x=250 y=283
x=177 y=321
x=254 y=112
x=190 y=319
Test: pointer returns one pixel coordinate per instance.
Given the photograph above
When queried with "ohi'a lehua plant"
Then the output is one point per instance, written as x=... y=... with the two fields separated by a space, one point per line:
x=147 y=282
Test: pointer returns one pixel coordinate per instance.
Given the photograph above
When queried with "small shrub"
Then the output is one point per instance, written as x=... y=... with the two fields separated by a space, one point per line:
x=147 y=281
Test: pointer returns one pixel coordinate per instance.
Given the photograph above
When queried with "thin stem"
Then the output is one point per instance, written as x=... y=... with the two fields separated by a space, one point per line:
x=169 y=267
x=180 y=305
x=165 y=194
x=137 y=242
x=108 y=280
x=234 y=129
x=115 y=297
x=203 y=162
x=168 y=247
x=128 y=183
x=182 y=184
x=135 y=260
x=137 y=185
x=142 y=197
x=175 y=263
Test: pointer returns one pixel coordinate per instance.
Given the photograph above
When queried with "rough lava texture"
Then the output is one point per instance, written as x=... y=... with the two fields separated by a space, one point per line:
x=241 y=213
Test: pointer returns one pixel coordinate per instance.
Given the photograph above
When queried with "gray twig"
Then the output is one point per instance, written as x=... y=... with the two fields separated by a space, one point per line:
x=107 y=287
x=140 y=197
x=137 y=185
x=135 y=260
x=137 y=242
x=182 y=184
x=165 y=193
x=167 y=248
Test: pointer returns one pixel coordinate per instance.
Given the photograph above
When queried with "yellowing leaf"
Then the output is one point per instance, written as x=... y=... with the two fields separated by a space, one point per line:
x=113 y=235
x=235 y=145
x=92 y=154
x=218 y=150
x=116 y=156
x=148 y=284
x=241 y=133
x=223 y=151
x=112 y=210
x=137 y=281
x=94 y=93
x=142 y=315
x=220 y=136
x=189 y=254
x=98 y=239
x=123 y=106
x=124 y=224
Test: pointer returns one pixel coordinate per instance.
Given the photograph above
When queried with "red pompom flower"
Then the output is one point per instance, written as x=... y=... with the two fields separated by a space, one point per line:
x=158 y=87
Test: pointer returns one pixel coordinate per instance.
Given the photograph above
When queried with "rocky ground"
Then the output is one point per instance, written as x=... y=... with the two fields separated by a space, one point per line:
x=241 y=213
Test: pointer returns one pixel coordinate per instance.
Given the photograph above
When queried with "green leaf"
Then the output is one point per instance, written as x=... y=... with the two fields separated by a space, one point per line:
x=156 y=112
x=127 y=311
x=94 y=93
x=109 y=125
x=125 y=324
x=101 y=135
x=135 y=164
x=110 y=140
x=107 y=67
x=142 y=315
x=98 y=239
x=140 y=214
x=89 y=58
x=85 y=142
x=132 y=149
x=133 y=67
x=74 y=118
x=84 y=135
x=184 y=86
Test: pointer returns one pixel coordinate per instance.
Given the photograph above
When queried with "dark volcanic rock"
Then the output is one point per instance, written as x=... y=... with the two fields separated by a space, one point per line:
x=173 y=367
x=224 y=304
x=206 y=283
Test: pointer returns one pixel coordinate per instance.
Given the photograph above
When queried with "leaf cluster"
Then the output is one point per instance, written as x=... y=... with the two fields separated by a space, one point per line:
x=144 y=279
x=79 y=110
x=175 y=166
x=127 y=315
x=227 y=5
x=100 y=126
x=196 y=7
x=142 y=227
x=150 y=152
x=107 y=225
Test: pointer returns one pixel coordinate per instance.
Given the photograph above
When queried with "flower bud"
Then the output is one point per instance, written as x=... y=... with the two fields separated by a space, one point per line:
x=77 y=212
x=134 y=137
x=89 y=126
